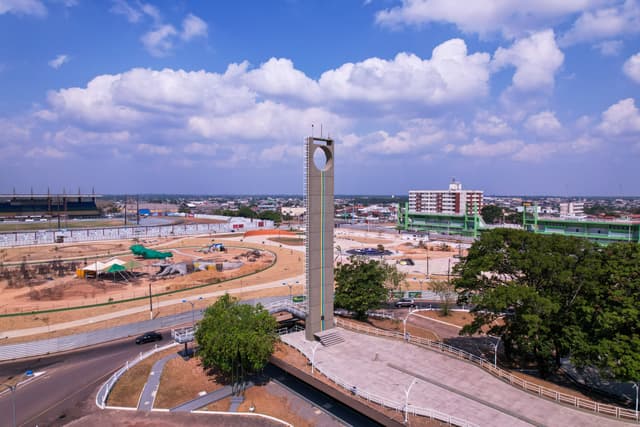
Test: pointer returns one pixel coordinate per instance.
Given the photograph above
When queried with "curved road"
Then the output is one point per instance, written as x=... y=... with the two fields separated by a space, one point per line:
x=70 y=379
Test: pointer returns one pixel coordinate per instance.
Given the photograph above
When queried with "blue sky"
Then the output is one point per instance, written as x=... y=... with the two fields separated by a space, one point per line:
x=217 y=97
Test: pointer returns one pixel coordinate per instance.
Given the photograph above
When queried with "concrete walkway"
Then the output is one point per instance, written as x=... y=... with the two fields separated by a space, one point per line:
x=148 y=395
x=144 y=308
x=386 y=368
x=208 y=398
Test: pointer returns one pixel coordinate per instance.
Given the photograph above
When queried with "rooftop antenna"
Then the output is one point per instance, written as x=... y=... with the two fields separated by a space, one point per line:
x=312 y=130
x=320 y=130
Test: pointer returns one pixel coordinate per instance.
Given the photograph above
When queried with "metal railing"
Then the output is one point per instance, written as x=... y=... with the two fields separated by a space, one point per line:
x=390 y=403
x=506 y=376
x=182 y=335
x=297 y=309
x=103 y=393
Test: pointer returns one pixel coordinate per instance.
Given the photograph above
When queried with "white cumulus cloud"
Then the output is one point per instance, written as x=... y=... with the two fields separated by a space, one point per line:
x=480 y=148
x=450 y=75
x=23 y=7
x=621 y=118
x=159 y=42
x=631 y=67
x=609 y=47
x=536 y=58
x=544 y=123
x=605 y=23
x=491 y=125
x=509 y=17
x=193 y=27
x=58 y=61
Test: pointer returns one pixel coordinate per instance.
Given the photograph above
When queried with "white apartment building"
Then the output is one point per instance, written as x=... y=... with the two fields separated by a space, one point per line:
x=572 y=209
x=452 y=201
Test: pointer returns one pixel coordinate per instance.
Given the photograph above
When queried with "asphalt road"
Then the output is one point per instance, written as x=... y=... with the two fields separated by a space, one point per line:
x=70 y=380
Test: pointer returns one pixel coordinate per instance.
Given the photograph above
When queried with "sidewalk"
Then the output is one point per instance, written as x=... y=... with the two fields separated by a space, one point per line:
x=387 y=368
x=148 y=395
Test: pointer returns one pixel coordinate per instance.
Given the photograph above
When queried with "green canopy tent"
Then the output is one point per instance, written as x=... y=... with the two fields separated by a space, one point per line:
x=117 y=269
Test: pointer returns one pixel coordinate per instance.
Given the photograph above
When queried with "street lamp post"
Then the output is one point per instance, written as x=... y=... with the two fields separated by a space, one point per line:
x=406 y=401
x=150 y=303
x=193 y=315
x=404 y=323
x=290 y=288
x=427 y=247
x=313 y=356
x=12 y=388
x=495 y=353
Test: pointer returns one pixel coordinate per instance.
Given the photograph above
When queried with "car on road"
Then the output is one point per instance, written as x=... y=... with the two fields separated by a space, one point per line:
x=149 y=337
x=405 y=302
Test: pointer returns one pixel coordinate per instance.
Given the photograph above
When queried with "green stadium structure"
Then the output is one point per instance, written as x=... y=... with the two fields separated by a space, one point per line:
x=471 y=225
x=601 y=231
x=468 y=225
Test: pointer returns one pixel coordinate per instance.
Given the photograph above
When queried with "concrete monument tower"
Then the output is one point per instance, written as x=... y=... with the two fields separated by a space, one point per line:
x=319 y=162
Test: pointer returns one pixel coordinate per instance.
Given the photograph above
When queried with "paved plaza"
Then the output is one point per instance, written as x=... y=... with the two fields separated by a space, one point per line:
x=386 y=368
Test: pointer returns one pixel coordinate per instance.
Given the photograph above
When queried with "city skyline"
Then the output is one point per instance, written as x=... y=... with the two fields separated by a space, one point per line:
x=199 y=98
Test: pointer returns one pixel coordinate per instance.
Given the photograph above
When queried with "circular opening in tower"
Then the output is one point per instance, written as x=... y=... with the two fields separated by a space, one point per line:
x=322 y=158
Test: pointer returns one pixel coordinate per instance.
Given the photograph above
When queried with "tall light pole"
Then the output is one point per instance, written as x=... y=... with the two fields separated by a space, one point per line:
x=404 y=323
x=290 y=286
x=193 y=315
x=12 y=388
x=406 y=400
x=313 y=356
x=495 y=354
x=427 y=248
x=150 y=303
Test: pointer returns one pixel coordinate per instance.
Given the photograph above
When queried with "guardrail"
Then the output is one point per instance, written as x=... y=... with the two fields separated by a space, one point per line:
x=586 y=404
x=103 y=393
x=388 y=403
x=72 y=342
x=297 y=309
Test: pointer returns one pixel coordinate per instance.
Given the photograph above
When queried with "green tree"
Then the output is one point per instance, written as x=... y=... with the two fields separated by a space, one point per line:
x=611 y=320
x=274 y=216
x=491 y=214
x=246 y=212
x=360 y=286
x=236 y=339
x=542 y=282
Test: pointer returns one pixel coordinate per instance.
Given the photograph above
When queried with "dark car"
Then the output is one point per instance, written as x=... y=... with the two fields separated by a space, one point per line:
x=149 y=337
x=405 y=302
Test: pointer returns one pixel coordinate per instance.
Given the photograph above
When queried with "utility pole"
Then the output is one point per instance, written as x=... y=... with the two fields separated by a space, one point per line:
x=137 y=209
x=150 y=303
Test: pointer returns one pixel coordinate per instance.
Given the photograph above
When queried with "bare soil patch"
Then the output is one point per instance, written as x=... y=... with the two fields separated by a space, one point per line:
x=181 y=381
x=291 y=241
x=458 y=318
x=126 y=391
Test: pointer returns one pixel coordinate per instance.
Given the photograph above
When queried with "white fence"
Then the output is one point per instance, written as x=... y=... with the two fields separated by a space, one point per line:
x=43 y=237
x=586 y=404
x=103 y=393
